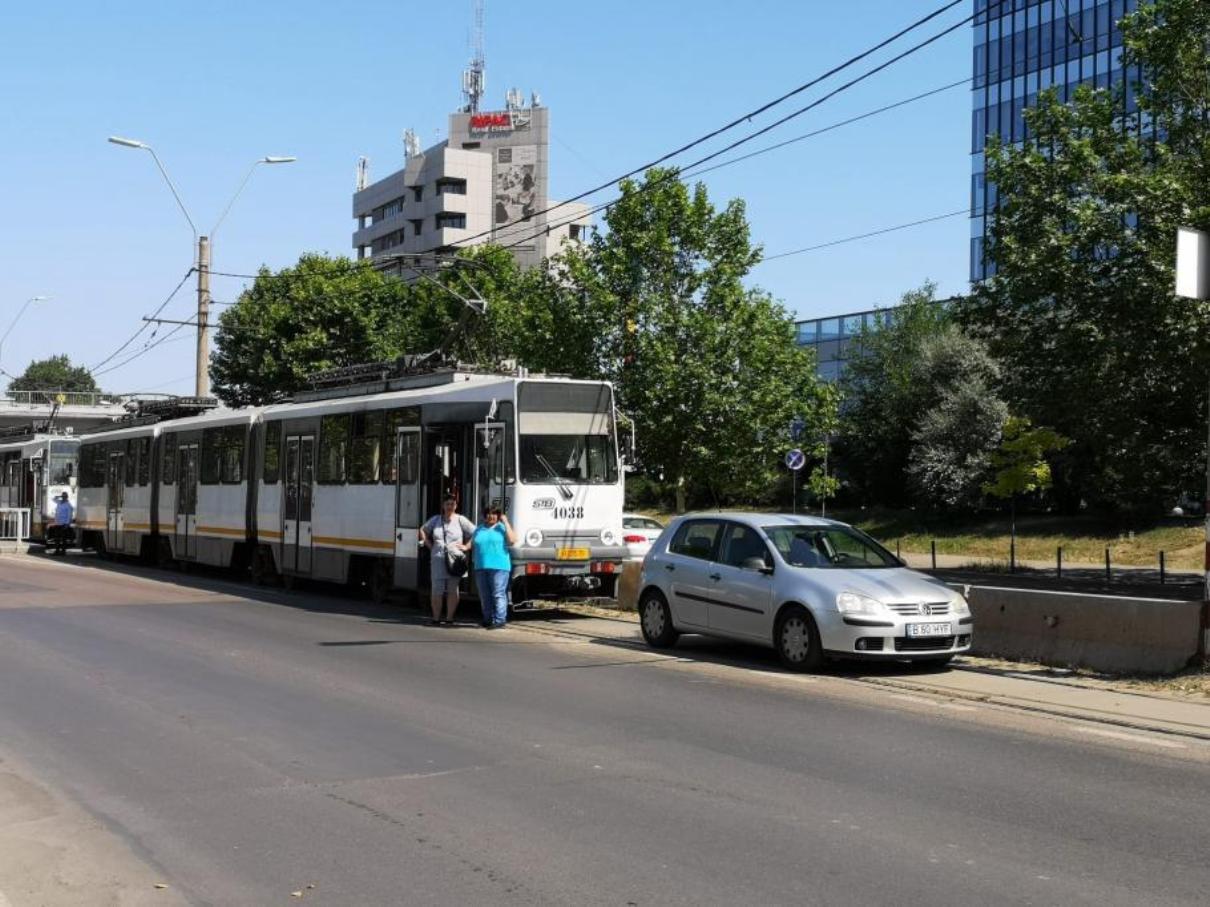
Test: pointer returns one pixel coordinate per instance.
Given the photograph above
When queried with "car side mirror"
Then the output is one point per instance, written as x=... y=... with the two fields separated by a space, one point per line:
x=758 y=564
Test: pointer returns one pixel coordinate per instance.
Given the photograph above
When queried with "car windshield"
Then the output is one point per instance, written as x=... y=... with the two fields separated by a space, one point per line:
x=829 y=547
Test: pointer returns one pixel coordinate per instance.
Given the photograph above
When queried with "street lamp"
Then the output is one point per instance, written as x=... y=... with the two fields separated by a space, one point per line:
x=13 y=324
x=202 y=383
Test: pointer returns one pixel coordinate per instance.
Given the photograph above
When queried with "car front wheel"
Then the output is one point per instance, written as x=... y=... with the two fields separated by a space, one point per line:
x=797 y=640
x=655 y=619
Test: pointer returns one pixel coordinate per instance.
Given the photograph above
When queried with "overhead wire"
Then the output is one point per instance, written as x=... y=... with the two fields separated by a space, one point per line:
x=746 y=117
x=675 y=174
x=135 y=336
x=848 y=239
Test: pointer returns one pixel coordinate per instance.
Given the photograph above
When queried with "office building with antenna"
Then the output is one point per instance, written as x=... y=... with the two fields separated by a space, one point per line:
x=488 y=181
x=1022 y=47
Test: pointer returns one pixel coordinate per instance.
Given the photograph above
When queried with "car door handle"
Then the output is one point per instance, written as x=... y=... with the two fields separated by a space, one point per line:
x=715 y=576
x=670 y=567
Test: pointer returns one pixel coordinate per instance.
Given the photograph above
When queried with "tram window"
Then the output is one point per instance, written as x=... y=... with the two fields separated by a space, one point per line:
x=333 y=449
x=272 y=453
x=132 y=462
x=168 y=460
x=409 y=458
x=232 y=463
x=92 y=466
x=393 y=420
x=143 y=445
x=212 y=456
x=365 y=446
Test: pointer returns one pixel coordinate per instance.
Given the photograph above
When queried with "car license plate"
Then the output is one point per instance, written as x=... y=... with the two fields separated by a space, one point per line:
x=916 y=631
x=571 y=554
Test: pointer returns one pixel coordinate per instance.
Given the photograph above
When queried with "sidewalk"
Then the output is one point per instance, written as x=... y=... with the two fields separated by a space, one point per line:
x=1021 y=687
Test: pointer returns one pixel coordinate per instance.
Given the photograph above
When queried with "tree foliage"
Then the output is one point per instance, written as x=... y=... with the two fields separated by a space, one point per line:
x=707 y=368
x=56 y=374
x=1019 y=464
x=1081 y=309
x=955 y=436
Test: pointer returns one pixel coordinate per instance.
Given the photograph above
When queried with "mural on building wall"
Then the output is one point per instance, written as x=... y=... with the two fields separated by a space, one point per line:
x=516 y=184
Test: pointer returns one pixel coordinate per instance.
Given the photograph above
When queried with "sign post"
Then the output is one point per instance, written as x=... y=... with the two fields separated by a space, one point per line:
x=1193 y=281
x=795 y=460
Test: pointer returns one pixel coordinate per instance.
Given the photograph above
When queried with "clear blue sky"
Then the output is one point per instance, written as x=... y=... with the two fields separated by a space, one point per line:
x=215 y=86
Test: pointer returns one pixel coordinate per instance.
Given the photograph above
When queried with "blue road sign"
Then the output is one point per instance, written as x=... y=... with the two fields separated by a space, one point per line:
x=795 y=459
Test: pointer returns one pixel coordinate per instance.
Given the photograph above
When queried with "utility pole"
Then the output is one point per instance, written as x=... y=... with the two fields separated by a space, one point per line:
x=202 y=384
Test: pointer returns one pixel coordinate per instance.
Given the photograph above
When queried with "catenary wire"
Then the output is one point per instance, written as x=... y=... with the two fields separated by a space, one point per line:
x=675 y=174
x=848 y=239
x=747 y=117
x=133 y=337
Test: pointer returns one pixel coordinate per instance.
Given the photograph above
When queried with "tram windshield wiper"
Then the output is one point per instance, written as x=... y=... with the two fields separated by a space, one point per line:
x=564 y=490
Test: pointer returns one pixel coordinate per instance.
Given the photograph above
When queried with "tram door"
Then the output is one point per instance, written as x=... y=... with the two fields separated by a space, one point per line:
x=297 y=491
x=186 y=501
x=489 y=468
x=115 y=483
x=408 y=516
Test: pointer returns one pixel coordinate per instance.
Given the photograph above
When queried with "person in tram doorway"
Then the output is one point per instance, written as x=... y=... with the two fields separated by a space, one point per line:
x=448 y=537
x=60 y=531
x=493 y=565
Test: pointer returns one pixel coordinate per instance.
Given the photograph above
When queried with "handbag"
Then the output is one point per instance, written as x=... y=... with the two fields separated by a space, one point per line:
x=456 y=563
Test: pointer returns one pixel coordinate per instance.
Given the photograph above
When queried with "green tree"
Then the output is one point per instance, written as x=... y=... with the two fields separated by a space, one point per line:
x=707 y=368
x=884 y=395
x=1020 y=466
x=55 y=374
x=1081 y=309
x=956 y=434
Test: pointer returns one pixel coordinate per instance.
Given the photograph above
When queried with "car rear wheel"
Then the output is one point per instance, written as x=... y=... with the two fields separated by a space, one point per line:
x=655 y=619
x=797 y=640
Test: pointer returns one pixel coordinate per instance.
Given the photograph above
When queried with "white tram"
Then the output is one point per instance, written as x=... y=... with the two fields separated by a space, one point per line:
x=35 y=469
x=335 y=484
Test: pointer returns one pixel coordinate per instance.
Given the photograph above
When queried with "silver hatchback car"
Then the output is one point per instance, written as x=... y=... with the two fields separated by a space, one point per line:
x=810 y=588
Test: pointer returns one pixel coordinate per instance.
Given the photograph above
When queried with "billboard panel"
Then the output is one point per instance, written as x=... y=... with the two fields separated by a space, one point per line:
x=516 y=184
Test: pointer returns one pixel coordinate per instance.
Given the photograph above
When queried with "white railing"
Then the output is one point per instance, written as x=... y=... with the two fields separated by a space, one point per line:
x=14 y=528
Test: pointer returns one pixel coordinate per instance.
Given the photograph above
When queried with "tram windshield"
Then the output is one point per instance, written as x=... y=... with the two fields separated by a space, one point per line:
x=566 y=434
x=62 y=467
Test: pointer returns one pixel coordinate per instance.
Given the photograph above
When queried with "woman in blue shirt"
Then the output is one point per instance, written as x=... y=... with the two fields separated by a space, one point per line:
x=493 y=565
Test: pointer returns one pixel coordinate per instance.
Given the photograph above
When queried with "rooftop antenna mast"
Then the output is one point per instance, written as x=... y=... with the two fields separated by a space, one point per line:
x=474 y=77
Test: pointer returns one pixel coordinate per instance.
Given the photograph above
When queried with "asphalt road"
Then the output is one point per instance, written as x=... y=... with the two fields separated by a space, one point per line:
x=249 y=747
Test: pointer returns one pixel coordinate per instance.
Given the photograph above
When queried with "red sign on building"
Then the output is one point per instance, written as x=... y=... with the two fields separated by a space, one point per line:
x=491 y=122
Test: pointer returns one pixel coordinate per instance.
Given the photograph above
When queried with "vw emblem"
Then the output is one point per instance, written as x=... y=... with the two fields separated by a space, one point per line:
x=926 y=609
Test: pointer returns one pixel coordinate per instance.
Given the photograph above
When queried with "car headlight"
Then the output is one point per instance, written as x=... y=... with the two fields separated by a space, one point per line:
x=961 y=607
x=856 y=603
x=609 y=537
x=533 y=537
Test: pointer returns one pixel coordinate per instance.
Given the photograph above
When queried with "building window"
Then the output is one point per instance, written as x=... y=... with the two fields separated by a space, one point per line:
x=575 y=231
x=417 y=193
x=417 y=226
x=449 y=186
x=450 y=219
x=470 y=146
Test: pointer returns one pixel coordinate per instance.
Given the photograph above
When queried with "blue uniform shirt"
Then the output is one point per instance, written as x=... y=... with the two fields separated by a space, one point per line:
x=490 y=547
x=63 y=513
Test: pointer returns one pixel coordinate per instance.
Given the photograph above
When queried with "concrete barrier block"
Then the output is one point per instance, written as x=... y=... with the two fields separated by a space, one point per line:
x=1102 y=632
x=628 y=585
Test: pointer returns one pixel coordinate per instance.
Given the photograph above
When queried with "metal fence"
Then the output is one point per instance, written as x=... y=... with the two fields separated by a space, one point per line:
x=14 y=528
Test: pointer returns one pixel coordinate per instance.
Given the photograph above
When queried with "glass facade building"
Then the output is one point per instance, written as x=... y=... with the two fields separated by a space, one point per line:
x=1022 y=47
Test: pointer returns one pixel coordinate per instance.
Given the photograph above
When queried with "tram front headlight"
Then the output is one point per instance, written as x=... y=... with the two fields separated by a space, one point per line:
x=533 y=538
